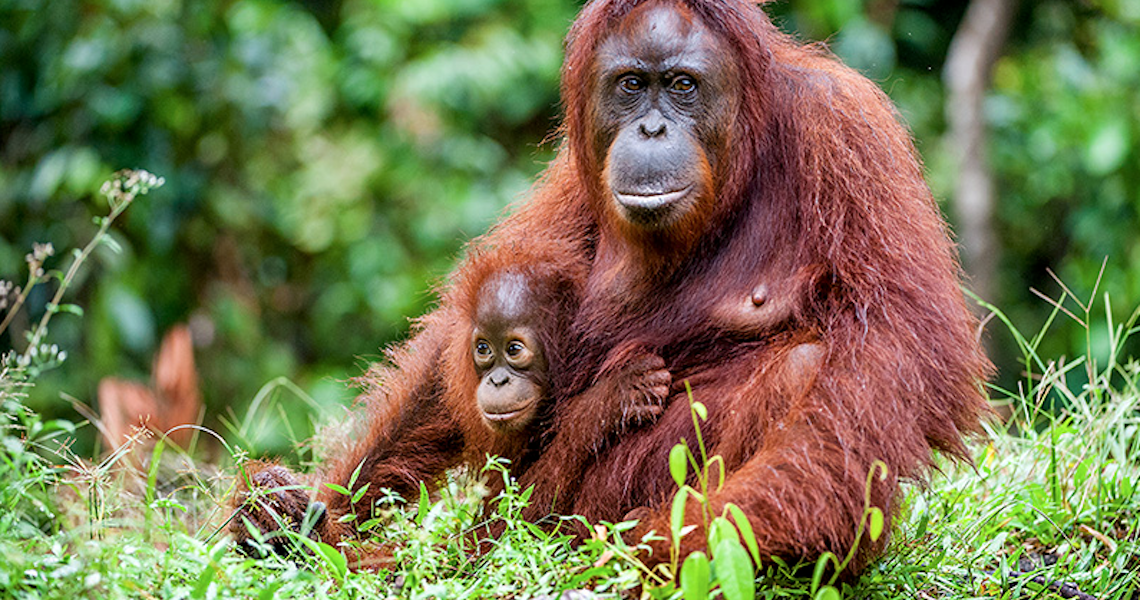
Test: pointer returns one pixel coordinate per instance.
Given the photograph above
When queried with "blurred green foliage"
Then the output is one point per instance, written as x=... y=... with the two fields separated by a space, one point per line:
x=1065 y=117
x=322 y=172
x=326 y=159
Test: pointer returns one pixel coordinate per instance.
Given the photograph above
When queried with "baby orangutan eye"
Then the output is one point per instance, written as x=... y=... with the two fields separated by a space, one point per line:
x=514 y=348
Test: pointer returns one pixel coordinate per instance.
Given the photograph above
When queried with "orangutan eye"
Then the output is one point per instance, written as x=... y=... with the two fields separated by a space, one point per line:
x=482 y=348
x=683 y=84
x=632 y=84
x=514 y=348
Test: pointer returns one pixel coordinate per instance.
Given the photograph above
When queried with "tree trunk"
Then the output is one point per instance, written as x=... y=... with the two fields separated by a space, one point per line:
x=969 y=64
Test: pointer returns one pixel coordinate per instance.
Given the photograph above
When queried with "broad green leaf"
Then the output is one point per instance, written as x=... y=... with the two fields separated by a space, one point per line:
x=746 y=531
x=695 y=576
x=679 y=463
x=204 y=579
x=719 y=530
x=828 y=593
x=734 y=570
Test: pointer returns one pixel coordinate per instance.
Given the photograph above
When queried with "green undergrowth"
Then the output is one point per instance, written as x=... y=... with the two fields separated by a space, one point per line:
x=1049 y=507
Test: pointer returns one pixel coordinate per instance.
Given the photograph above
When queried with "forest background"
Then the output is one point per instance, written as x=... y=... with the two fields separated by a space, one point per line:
x=326 y=160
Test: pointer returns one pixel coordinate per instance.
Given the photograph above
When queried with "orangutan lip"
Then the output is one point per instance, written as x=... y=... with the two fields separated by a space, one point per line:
x=651 y=201
x=506 y=416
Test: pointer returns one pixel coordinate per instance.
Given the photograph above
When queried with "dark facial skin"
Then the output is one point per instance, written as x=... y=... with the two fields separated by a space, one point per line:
x=664 y=109
x=507 y=354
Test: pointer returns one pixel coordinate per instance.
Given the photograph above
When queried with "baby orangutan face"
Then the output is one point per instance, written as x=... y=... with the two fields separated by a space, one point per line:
x=508 y=356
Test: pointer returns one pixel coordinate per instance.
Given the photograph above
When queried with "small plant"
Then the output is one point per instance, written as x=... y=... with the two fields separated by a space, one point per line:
x=871 y=524
x=120 y=191
x=731 y=568
x=731 y=541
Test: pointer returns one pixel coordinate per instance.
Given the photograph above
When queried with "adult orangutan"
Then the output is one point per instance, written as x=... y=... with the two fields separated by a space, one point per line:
x=752 y=212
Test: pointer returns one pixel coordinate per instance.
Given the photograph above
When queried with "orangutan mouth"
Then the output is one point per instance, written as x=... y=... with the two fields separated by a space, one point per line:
x=650 y=201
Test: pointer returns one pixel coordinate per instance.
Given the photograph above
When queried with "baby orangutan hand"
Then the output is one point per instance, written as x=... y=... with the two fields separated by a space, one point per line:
x=642 y=384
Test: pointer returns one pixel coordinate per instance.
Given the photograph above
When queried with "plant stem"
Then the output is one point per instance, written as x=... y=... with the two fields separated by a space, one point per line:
x=19 y=303
x=53 y=306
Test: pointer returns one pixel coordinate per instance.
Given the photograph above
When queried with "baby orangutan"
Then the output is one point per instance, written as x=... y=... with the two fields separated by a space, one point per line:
x=500 y=390
x=519 y=348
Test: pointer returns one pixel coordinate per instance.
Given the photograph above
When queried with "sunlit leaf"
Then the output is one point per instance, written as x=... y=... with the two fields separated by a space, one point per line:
x=734 y=570
x=424 y=505
x=746 y=532
x=875 y=523
x=330 y=557
x=695 y=576
x=679 y=463
x=719 y=530
x=340 y=489
x=360 y=493
x=677 y=513
x=701 y=410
